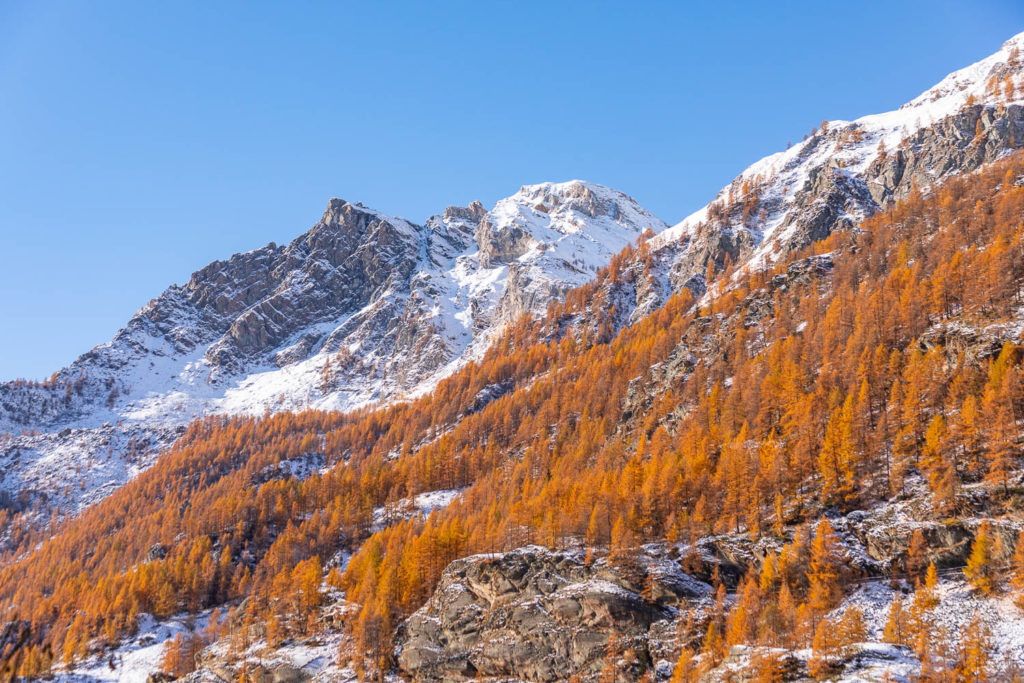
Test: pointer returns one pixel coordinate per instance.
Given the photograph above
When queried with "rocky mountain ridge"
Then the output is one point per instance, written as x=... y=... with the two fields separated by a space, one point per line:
x=841 y=173
x=362 y=308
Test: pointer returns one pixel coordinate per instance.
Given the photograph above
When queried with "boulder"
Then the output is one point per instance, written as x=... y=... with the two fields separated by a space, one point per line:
x=540 y=615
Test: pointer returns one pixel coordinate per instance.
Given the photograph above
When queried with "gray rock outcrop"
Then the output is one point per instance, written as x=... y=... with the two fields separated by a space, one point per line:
x=538 y=615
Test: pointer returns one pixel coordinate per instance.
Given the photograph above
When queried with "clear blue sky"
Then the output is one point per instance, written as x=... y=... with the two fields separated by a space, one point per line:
x=141 y=140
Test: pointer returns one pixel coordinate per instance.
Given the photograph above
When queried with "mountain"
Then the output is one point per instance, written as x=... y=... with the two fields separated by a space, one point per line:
x=841 y=173
x=780 y=440
x=816 y=473
x=363 y=308
x=367 y=308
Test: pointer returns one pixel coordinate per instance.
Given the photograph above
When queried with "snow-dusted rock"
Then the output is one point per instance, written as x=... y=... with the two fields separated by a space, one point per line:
x=362 y=308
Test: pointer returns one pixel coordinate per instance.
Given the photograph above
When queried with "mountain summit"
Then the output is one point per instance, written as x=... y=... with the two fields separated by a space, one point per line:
x=362 y=308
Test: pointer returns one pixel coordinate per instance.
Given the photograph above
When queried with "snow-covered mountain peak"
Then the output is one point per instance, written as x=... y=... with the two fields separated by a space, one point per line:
x=572 y=214
x=565 y=190
x=363 y=307
x=562 y=200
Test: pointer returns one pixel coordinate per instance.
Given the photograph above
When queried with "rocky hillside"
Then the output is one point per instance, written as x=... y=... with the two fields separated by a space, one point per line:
x=363 y=308
x=536 y=615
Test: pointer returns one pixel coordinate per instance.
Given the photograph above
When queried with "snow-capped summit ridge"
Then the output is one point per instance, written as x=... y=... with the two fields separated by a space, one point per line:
x=567 y=188
x=860 y=165
x=363 y=307
x=972 y=80
x=567 y=207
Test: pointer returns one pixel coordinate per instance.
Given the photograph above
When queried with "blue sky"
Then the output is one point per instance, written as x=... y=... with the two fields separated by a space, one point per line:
x=139 y=141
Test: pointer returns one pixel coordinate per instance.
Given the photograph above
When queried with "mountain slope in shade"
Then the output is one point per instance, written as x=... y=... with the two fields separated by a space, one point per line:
x=362 y=308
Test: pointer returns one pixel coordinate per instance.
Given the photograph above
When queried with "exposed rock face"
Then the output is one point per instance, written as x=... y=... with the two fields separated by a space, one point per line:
x=362 y=308
x=886 y=539
x=501 y=246
x=961 y=142
x=538 y=615
x=347 y=259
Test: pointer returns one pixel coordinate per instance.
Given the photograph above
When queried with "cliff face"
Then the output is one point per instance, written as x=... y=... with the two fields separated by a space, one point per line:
x=538 y=615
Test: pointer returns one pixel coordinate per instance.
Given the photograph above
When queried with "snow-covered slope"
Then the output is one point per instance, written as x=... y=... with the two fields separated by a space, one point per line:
x=362 y=308
x=848 y=170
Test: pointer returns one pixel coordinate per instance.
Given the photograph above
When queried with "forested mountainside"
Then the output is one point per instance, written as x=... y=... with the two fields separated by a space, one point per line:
x=363 y=308
x=715 y=475
x=779 y=441
x=369 y=308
